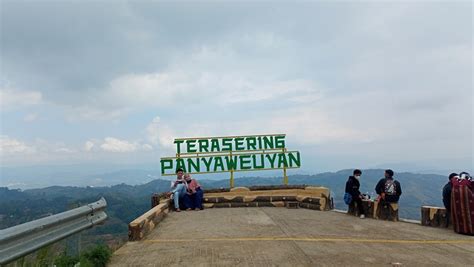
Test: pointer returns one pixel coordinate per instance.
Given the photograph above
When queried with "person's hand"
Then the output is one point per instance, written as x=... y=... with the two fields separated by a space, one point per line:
x=383 y=196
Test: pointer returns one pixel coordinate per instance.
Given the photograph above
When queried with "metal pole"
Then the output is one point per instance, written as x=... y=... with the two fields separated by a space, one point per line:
x=285 y=177
x=231 y=173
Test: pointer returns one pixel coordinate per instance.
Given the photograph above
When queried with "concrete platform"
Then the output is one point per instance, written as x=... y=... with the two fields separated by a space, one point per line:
x=292 y=237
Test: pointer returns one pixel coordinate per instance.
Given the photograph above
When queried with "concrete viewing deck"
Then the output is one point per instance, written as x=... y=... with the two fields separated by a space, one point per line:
x=292 y=237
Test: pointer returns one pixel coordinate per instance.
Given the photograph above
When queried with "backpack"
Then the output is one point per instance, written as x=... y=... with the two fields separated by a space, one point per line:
x=347 y=198
x=390 y=187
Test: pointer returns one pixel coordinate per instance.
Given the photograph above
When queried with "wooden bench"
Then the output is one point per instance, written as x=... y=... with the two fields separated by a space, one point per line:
x=367 y=205
x=434 y=216
x=373 y=209
x=386 y=211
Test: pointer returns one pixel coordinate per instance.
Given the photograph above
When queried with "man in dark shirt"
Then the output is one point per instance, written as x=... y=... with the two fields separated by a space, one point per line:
x=447 y=194
x=388 y=188
x=352 y=187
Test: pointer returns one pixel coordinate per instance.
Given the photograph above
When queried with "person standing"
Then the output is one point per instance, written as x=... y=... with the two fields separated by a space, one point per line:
x=388 y=189
x=447 y=195
x=352 y=188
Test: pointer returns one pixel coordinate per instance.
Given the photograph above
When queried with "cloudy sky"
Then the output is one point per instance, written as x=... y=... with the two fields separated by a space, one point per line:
x=352 y=84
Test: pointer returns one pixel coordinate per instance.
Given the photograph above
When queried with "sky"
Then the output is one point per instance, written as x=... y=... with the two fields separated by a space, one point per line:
x=351 y=84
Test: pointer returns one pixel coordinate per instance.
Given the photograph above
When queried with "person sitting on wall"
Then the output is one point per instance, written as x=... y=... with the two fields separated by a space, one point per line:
x=388 y=189
x=193 y=198
x=352 y=188
x=178 y=189
x=447 y=195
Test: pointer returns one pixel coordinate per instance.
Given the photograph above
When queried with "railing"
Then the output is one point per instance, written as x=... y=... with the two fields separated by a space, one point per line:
x=20 y=240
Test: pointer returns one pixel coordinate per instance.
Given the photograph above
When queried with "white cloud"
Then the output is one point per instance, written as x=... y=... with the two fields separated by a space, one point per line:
x=159 y=134
x=171 y=88
x=13 y=146
x=147 y=147
x=88 y=145
x=64 y=150
x=95 y=113
x=112 y=144
x=11 y=98
x=116 y=145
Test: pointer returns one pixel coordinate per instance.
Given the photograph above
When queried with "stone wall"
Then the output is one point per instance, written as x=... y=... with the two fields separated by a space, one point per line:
x=144 y=224
x=290 y=196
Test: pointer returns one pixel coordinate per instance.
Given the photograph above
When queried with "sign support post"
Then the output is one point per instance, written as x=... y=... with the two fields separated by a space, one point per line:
x=231 y=174
x=285 y=177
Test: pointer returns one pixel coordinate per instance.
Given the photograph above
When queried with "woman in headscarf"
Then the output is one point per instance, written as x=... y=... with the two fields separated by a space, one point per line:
x=193 y=198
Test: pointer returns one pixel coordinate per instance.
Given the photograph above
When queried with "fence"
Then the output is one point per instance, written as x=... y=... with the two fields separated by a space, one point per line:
x=20 y=240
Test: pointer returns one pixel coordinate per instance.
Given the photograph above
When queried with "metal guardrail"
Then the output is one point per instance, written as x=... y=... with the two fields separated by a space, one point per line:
x=20 y=240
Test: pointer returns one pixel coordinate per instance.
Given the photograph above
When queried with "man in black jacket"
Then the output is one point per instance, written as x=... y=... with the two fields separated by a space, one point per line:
x=352 y=187
x=447 y=195
x=388 y=188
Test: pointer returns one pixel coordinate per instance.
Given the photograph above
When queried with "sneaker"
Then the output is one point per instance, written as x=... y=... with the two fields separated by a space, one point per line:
x=178 y=210
x=362 y=216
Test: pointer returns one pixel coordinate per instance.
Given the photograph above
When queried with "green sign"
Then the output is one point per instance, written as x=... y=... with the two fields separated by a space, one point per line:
x=231 y=154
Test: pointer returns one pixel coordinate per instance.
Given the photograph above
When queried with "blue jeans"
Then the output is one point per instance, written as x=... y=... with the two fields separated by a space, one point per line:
x=178 y=192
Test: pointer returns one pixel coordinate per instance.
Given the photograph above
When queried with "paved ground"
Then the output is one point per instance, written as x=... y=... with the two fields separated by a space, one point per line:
x=292 y=237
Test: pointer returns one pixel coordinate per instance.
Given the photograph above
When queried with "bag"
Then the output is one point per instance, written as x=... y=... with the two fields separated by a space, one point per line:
x=347 y=198
x=390 y=187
